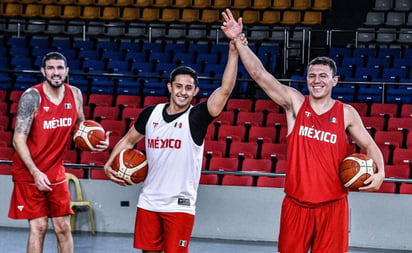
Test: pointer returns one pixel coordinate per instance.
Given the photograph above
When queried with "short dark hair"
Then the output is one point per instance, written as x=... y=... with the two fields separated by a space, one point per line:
x=54 y=56
x=184 y=70
x=323 y=60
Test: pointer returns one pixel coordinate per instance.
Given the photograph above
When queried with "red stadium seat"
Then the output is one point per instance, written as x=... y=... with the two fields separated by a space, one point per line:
x=266 y=105
x=98 y=174
x=128 y=101
x=382 y=109
x=401 y=156
x=4 y=122
x=248 y=149
x=236 y=132
x=268 y=134
x=275 y=119
x=117 y=127
x=100 y=99
x=281 y=166
x=375 y=122
x=276 y=182
x=131 y=113
x=389 y=138
x=6 y=153
x=225 y=118
x=106 y=112
x=405 y=188
x=223 y=164
x=211 y=179
x=243 y=104
x=15 y=95
x=154 y=100
x=93 y=158
x=218 y=148
x=6 y=137
x=406 y=111
x=79 y=173
x=362 y=108
x=387 y=187
x=234 y=180
x=397 y=171
x=71 y=156
x=254 y=118
x=274 y=149
x=5 y=169
x=399 y=124
x=261 y=165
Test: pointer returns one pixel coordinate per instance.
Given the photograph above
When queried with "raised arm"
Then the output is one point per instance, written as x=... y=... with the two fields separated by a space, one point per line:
x=281 y=94
x=28 y=107
x=357 y=131
x=217 y=100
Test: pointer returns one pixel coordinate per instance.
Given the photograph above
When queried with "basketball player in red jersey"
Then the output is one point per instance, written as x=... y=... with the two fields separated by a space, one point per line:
x=174 y=135
x=46 y=115
x=315 y=209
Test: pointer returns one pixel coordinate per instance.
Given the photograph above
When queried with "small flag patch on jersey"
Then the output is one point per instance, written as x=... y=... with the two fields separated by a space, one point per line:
x=182 y=243
x=333 y=120
x=68 y=106
x=178 y=124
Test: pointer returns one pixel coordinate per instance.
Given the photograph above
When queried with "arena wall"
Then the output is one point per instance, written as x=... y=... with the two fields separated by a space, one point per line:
x=241 y=213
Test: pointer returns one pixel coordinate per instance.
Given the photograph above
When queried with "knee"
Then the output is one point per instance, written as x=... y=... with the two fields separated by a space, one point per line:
x=39 y=226
x=62 y=227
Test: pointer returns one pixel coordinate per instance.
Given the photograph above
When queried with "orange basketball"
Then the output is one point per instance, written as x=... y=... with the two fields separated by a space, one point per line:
x=131 y=165
x=354 y=170
x=88 y=134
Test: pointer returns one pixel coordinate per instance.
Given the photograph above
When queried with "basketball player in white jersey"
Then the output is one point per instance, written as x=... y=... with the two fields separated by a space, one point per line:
x=174 y=136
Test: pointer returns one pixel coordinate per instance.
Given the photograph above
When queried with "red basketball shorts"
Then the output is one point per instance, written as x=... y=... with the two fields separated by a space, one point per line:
x=27 y=202
x=163 y=231
x=323 y=228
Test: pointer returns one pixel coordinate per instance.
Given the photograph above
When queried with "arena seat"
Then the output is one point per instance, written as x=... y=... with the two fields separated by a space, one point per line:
x=397 y=171
x=281 y=4
x=235 y=180
x=278 y=150
x=218 y=148
x=243 y=149
x=224 y=164
x=260 y=165
x=253 y=118
x=276 y=182
x=210 y=179
x=239 y=103
x=378 y=109
x=267 y=134
x=405 y=188
x=236 y=133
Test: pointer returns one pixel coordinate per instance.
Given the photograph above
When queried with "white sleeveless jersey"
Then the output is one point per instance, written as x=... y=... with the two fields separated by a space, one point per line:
x=175 y=163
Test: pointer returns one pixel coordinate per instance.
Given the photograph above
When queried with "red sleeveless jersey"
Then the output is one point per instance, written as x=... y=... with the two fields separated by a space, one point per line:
x=316 y=146
x=47 y=140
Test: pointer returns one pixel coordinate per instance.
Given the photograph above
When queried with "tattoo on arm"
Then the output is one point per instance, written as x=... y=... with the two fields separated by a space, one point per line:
x=28 y=106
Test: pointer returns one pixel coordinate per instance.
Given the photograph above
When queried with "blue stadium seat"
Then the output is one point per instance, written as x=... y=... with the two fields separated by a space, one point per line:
x=84 y=44
x=118 y=67
x=206 y=58
x=106 y=45
x=353 y=62
x=344 y=92
x=111 y=55
x=399 y=94
x=183 y=58
x=370 y=94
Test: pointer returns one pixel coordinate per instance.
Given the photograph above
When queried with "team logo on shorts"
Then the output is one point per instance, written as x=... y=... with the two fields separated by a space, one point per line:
x=183 y=243
x=20 y=208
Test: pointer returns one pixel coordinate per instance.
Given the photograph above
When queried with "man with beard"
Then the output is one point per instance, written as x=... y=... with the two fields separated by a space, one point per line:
x=46 y=115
